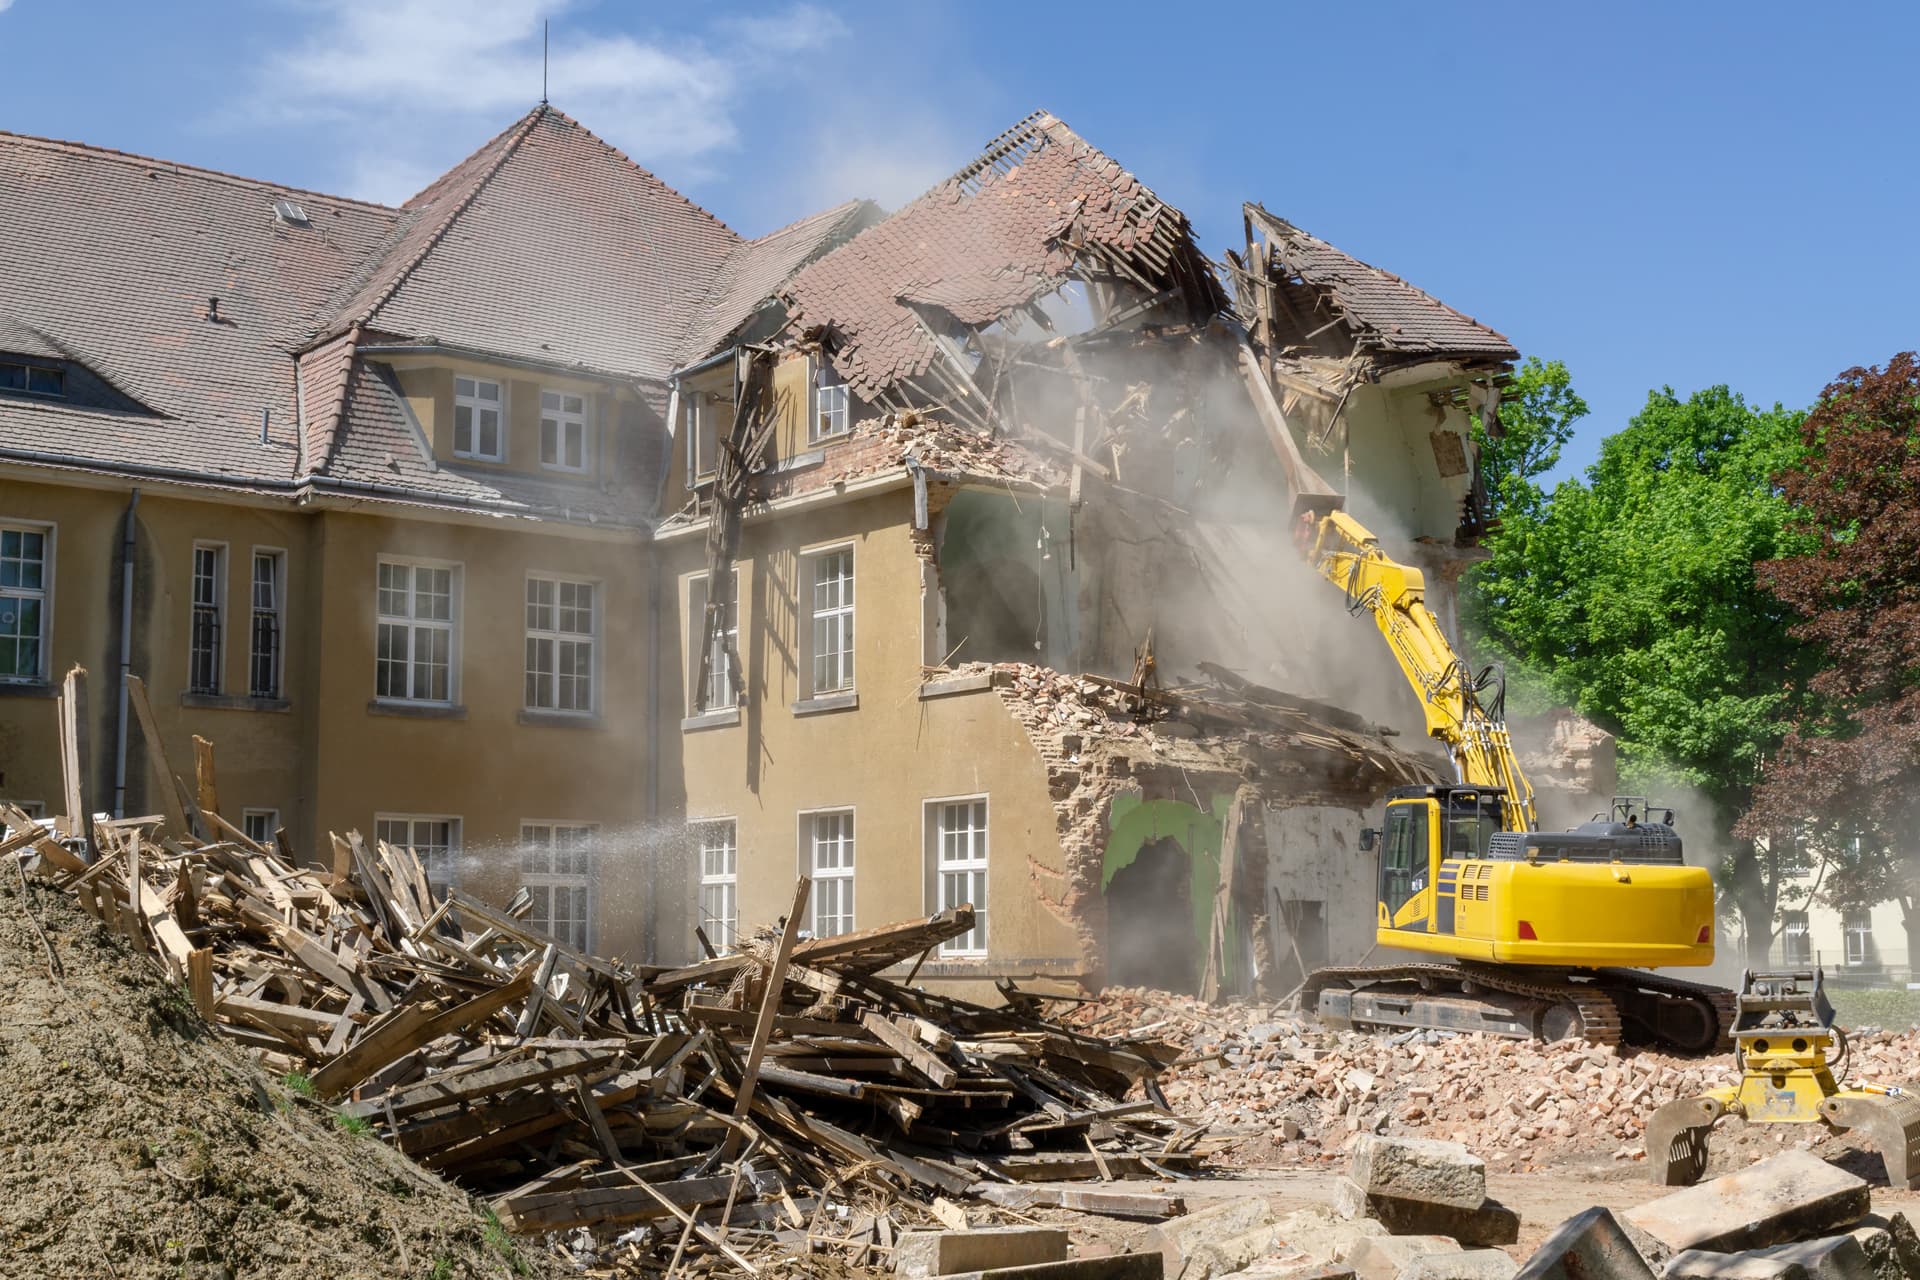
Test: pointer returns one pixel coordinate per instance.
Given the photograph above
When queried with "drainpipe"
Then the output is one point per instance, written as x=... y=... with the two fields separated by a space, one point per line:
x=126 y=656
x=652 y=738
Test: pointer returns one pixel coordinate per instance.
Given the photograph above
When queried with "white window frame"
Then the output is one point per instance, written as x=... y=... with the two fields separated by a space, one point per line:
x=832 y=405
x=218 y=606
x=831 y=905
x=719 y=880
x=475 y=403
x=1796 y=935
x=42 y=595
x=279 y=615
x=562 y=419
x=559 y=639
x=272 y=817
x=845 y=672
x=1856 y=927
x=721 y=695
x=697 y=410
x=945 y=872
x=447 y=864
x=539 y=845
x=414 y=626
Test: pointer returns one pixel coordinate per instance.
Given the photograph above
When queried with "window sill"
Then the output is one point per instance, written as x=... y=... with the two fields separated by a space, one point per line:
x=233 y=702
x=720 y=718
x=813 y=457
x=27 y=689
x=561 y=719
x=948 y=686
x=415 y=710
x=829 y=702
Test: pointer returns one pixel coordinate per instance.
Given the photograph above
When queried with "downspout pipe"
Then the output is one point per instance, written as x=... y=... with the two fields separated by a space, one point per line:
x=120 y=726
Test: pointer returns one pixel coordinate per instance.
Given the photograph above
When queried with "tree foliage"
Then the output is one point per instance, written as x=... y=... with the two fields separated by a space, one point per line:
x=1632 y=595
x=1848 y=772
x=1537 y=413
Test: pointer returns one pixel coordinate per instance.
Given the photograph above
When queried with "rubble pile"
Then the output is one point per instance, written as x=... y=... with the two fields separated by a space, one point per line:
x=910 y=438
x=1265 y=1071
x=770 y=1086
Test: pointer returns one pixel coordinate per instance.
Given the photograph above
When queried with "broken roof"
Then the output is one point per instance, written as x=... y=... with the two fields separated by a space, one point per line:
x=1003 y=232
x=1386 y=311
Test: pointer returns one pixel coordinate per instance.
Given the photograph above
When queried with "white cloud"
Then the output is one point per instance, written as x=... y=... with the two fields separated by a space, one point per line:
x=5 y=5
x=406 y=73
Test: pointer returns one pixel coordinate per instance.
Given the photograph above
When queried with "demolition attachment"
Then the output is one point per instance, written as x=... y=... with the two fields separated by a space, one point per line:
x=1785 y=1045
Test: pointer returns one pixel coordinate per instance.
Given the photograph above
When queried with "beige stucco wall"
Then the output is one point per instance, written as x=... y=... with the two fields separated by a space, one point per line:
x=883 y=758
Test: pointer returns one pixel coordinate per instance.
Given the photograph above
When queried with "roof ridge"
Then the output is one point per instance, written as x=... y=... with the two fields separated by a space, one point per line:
x=399 y=277
x=844 y=208
x=691 y=203
x=220 y=175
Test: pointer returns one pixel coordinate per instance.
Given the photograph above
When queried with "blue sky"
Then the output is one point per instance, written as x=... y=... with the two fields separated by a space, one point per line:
x=1679 y=194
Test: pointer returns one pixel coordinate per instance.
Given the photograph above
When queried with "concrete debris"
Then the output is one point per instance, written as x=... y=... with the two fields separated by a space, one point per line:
x=1468 y=1264
x=1319 y=1233
x=918 y=1255
x=1117 y=1266
x=1831 y=1258
x=1784 y=1198
x=1385 y=1257
x=1487 y=1223
x=1181 y=1238
x=1422 y=1169
x=1587 y=1246
x=1891 y=1245
x=1236 y=1253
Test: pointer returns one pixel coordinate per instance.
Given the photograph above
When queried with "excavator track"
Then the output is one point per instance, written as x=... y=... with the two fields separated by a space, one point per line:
x=1525 y=1004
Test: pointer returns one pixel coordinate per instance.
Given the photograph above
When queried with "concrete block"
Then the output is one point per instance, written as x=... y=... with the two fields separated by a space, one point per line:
x=1320 y=1234
x=1785 y=1197
x=1419 y=1169
x=1829 y=1258
x=1587 y=1246
x=1383 y=1257
x=1119 y=1266
x=1178 y=1239
x=919 y=1255
x=1296 y=1268
x=1224 y=1257
x=1488 y=1223
x=1468 y=1264
x=1892 y=1247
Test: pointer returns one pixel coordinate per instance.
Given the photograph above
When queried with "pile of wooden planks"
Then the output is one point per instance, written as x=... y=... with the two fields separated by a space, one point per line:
x=720 y=1103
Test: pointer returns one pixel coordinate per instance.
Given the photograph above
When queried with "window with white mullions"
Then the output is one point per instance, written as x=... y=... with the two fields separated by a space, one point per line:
x=556 y=868
x=413 y=659
x=560 y=642
x=563 y=431
x=478 y=424
x=719 y=882
x=832 y=622
x=720 y=691
x=263 y=664
x=25 y=578
x=205 y=645
x=1858 y=927
x=1796 y=938
x=829 y=838
x=258 y=825
x=959 y=837
x=434 y=840
x=829 y=405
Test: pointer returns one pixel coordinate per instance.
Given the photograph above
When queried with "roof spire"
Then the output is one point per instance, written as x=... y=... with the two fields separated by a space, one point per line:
x=546 y=26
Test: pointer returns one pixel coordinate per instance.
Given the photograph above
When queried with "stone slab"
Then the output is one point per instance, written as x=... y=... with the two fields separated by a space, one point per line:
x=1295 y=1268
x=1178 y=1239
x=1488 y=1223
x=1119 y=1266
x=1224 y=1257
x=1468 y=1264
x=1588 y=1246
x=1829 y=1258
x=1892 y=1247
x=1383 y=1257
x=1786 y=1197
x=1419 y=1169
x=1320 y=1233
x=919 y=1255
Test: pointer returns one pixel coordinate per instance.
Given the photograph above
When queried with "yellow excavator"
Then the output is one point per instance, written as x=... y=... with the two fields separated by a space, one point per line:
x=1533 y=934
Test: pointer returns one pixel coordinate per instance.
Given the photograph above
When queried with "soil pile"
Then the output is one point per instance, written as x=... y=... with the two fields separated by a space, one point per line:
x=134 y=1143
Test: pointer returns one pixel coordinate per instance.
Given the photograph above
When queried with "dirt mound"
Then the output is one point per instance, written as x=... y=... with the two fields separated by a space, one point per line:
x=134 y=1143
x=1298 y=1092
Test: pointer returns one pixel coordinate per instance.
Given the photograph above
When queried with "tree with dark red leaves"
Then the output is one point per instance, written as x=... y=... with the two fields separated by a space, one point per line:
x=1846 y=779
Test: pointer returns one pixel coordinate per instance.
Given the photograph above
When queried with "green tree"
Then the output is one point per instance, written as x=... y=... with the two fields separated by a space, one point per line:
x=1631 y=595
x=1537 y=412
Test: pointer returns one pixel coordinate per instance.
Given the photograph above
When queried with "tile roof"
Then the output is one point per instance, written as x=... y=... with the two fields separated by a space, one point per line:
x=112 y=258
x=547 y=244
x=1395 y=315
x=1000 y=233
x=755 y=270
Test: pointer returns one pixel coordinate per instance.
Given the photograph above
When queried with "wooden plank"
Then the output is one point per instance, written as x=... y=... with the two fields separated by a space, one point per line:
x=285 y=1017
x=200 y=980
x=409 y=1027
x=640 y=1201
x=73 y=753
x=453 y=1088
x=205 y=792
x=897 y=1038
x=157 y=755
x=769 y=1009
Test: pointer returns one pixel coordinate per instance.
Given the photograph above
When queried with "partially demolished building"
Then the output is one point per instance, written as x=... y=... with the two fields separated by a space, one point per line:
x=944 y=556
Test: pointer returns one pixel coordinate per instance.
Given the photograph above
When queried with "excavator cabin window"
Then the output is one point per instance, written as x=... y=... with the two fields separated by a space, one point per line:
x=1403 y=862
x=1471 y=823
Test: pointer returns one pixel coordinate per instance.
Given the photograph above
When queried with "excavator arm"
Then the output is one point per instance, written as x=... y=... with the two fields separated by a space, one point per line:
x=1344 y=552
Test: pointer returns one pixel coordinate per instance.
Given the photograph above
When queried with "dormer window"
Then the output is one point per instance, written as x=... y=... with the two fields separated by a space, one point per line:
x=563 y=431
x=829 y=405
x=477 y=425
x=34 y=379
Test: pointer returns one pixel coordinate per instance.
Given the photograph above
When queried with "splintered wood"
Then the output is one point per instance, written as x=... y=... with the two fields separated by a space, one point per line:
x=726 y=1101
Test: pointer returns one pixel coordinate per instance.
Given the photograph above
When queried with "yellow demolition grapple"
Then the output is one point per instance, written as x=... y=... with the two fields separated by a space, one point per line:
x=1783 y=1039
